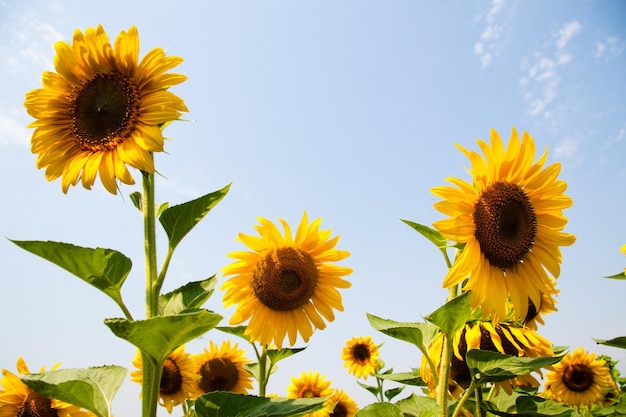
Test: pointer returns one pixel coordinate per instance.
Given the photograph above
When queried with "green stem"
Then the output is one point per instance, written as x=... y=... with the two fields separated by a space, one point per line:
x=263 y=378
x=150 y=384
x=459 y=405
x=381 y=393
x=166 y=264
x=446 y=359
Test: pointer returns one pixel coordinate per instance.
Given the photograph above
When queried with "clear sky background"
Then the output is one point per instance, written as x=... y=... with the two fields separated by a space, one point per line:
x=346 y=109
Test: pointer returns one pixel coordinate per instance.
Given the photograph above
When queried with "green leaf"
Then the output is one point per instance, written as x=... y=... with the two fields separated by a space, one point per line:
x=105 y=269
x=276 y=355
x=619 y=342
x=135 y=197
x=391 y=393
x=537 y=406
x=188 y=297
x=89 y=388
x=621 y=275
x=370 y=388
x=235 y=331
x=159 y=336
x=228 y=404
x=180 y=219
x=429 y=233
x=419 y=406
x=488 y=366
x=419 y=334
x=407 y=378
x=380 y=410
x=452 y=316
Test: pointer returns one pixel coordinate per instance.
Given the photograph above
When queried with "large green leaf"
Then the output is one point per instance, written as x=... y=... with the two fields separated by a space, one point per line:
x=406 y=378
x=159 y=336
x=188 y=297
x=380 y=410
x=527 y=405
x=452 y=316
x=105 y=269
x=619 y=342
x=419 y=334
x=180 y=219
x=235 y=331
x=90 y=388
x=419 y=406
x=228 y=404
x=488 y=366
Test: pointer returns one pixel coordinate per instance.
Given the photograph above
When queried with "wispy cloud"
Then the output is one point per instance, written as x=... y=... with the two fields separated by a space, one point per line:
x=540 y=71
x=609 y=47
x=487 y=45
x=12 y=129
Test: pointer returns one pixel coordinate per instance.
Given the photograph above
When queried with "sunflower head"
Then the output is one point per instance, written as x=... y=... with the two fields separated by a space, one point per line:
x=16 y=399
x=579 y=379
x=288 y=281
x=312 y=385
x=177 y=380
x=503 y=338
x=535 y=314
x=510 y=220
x=221 y=368
x=344 y=406
x=103 y=109
x=360 y=356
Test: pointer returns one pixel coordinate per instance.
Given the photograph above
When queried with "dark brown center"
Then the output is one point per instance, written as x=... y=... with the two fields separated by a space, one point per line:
x=339 y=411
x=285 y=279
x=104 y=111
x=36 y=406
x=171 y=379
x=577 y=377
x=361 y=353
x=218 y=374
x=505 y=223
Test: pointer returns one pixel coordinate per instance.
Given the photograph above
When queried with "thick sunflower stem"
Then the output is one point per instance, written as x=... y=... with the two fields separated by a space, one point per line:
x=444 y=371
x=262 y=374
x=150 y=384
x=152 y=296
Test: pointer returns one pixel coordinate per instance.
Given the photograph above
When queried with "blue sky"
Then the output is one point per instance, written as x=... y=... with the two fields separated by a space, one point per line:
x=346 y=109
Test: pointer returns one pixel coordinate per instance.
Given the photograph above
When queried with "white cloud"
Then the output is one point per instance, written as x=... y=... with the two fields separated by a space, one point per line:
x=609 y=47
x=566 y=148
x=566 y=33
x=12 y=130
x=490 y=37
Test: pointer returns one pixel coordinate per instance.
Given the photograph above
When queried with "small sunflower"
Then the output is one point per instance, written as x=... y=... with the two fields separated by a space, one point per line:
x=361 y=356
x=102 y=109
x=312 y=385
x=221 y=369
x=344 y=406
x=579 y=379
x=16 y=399
x=287 y=281
x=510 y=218
x=503 y=338
x=177 y=381
x=623 y=250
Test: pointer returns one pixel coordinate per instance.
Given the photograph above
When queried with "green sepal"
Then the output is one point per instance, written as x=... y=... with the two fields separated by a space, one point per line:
x=228 y=404
x=105 y=269
x=188 y=297
x=178 y=220
x=90 y=388
x=486 y=367
x=412 y=378
x=419 y=334
x=452 y=316
x=621 y=275
x=420 y=406
x=619 y=342
x=159 y=336
x=380 y=410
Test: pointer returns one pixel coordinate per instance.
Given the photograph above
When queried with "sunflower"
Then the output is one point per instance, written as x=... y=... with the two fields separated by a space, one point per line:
x=503 y=338
x=221 y=369
x=361 y=357
x=312 y=385
x=623 y=250
x=509 y=219
x=344 y=406
x=535 y=314
x=286 y=285
x=102 y=109
x=579 y=379
x=177 y=381
x=16 y=399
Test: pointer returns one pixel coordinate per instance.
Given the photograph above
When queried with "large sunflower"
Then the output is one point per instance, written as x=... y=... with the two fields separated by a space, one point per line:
x=503 y=338
x=178 y=381
x=221 y=369
x=510 y=218
x=16 y=399
x=102 y=109
x=312 y=385
x=579 y=379
x=344 y=406
x=360 y=356
x=286 y=285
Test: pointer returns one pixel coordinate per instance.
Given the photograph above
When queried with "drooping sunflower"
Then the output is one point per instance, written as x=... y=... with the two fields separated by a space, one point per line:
x=178 y=381
x=535 y=313
x=16 y=399
x=221 y=369
x=312 y=385
x=510 y=218
x=360 y=356
x=579 y=379
x=102 y=109
x=286 y=285
x=503 y=338
x=344 y=406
